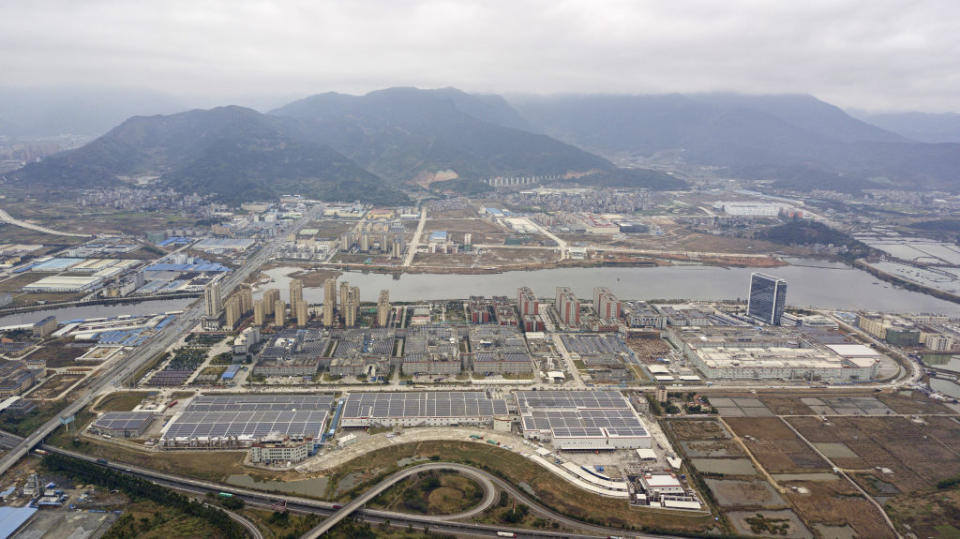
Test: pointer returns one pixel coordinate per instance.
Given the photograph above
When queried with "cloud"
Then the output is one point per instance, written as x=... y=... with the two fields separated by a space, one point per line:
x=876 y=54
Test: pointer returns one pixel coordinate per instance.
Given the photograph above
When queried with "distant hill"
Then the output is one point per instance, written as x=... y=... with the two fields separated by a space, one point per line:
x=407 y=133
x=785 y=136
x=89 y=111
x=919 y=126
x=639 y=178
x=236 y=153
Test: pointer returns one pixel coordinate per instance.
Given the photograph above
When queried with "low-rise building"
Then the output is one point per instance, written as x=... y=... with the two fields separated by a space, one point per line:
x=281 y=449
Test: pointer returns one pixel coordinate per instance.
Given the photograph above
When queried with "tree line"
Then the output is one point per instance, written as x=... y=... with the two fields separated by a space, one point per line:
x=136 y=487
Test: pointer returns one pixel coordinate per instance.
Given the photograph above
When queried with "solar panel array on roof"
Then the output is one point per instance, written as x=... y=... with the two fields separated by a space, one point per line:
x=223 y=403
x=571 y=399
x=252 y=424
x=252 y=416
x=123 y=420
x=423 y=404
x=578 y=413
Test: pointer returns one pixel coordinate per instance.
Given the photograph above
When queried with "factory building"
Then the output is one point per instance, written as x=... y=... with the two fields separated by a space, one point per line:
x=239 y=421
x=748 y=354
x=431 y=350
x=122 y=424
x=581 y=420
x=421 y=409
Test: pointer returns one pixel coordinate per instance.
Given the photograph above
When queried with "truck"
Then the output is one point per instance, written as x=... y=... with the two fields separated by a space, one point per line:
x=225 y=495
x=506 y=534
x=491 y=442
x=101 y=461
x=476 y=436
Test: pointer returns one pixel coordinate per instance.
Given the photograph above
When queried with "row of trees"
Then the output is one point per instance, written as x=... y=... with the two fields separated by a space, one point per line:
x=135 y=487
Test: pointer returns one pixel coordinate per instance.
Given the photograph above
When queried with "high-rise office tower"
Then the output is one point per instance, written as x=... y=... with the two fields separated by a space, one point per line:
x=344 y=296
x=383 y=308
x=270 y=298
x=279 y=313
x=767 y=299
x=353 y=307
x=301 y=312
x=329 y=301
x=527 y=301
x=296 y=293
x=232 y=311
x=568 y=306
x=259 y=313
x=211 y=298
x=246 y=298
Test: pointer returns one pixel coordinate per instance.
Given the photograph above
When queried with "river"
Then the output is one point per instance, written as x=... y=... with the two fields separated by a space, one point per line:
x=98 y=311
x=810 y=284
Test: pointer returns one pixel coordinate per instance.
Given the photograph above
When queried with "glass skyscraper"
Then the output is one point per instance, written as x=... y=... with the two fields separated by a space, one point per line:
x=768 y=296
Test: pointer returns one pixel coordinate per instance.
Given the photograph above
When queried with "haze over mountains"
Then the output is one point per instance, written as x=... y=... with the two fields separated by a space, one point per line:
x=347 y=147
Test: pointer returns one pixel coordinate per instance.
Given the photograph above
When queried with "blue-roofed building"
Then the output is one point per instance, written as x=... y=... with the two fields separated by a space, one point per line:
x=438 y=235
x=56 y=264
x=13 y=518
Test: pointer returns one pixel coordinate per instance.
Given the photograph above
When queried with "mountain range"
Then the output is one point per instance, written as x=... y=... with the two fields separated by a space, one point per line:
x=376 y=146
x=796 y=140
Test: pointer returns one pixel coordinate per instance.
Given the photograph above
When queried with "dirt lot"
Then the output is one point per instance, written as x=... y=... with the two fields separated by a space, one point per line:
x=931 y=514
x=918 y=455
x=121 y=401
x=913 y=403
x=775 y=446
x=697 y=429
x=483 y=231
x=763 y=522
x=648 y=350
x=736 y=493
x=315 y=278
x=786 y=405
x=55 y=385
x=838 y=503
x=59 y=354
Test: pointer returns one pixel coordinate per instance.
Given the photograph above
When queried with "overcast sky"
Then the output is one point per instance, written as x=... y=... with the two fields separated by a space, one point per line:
x=874 y=54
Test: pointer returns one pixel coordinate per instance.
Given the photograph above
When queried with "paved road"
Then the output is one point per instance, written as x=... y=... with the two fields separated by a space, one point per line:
x=251 y=528
x=7 y=218
x=415 y=242
x=373 y=492
x=435 y=523
x=127 y=367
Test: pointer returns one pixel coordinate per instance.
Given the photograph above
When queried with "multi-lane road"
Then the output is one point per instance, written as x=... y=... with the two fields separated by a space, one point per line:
x=9 y=219
x=440 y=524
x=128 y=366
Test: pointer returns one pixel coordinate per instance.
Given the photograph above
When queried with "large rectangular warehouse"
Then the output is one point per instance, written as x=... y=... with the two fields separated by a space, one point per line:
x=581 y=420
x=241 y=420
x=421 y=408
